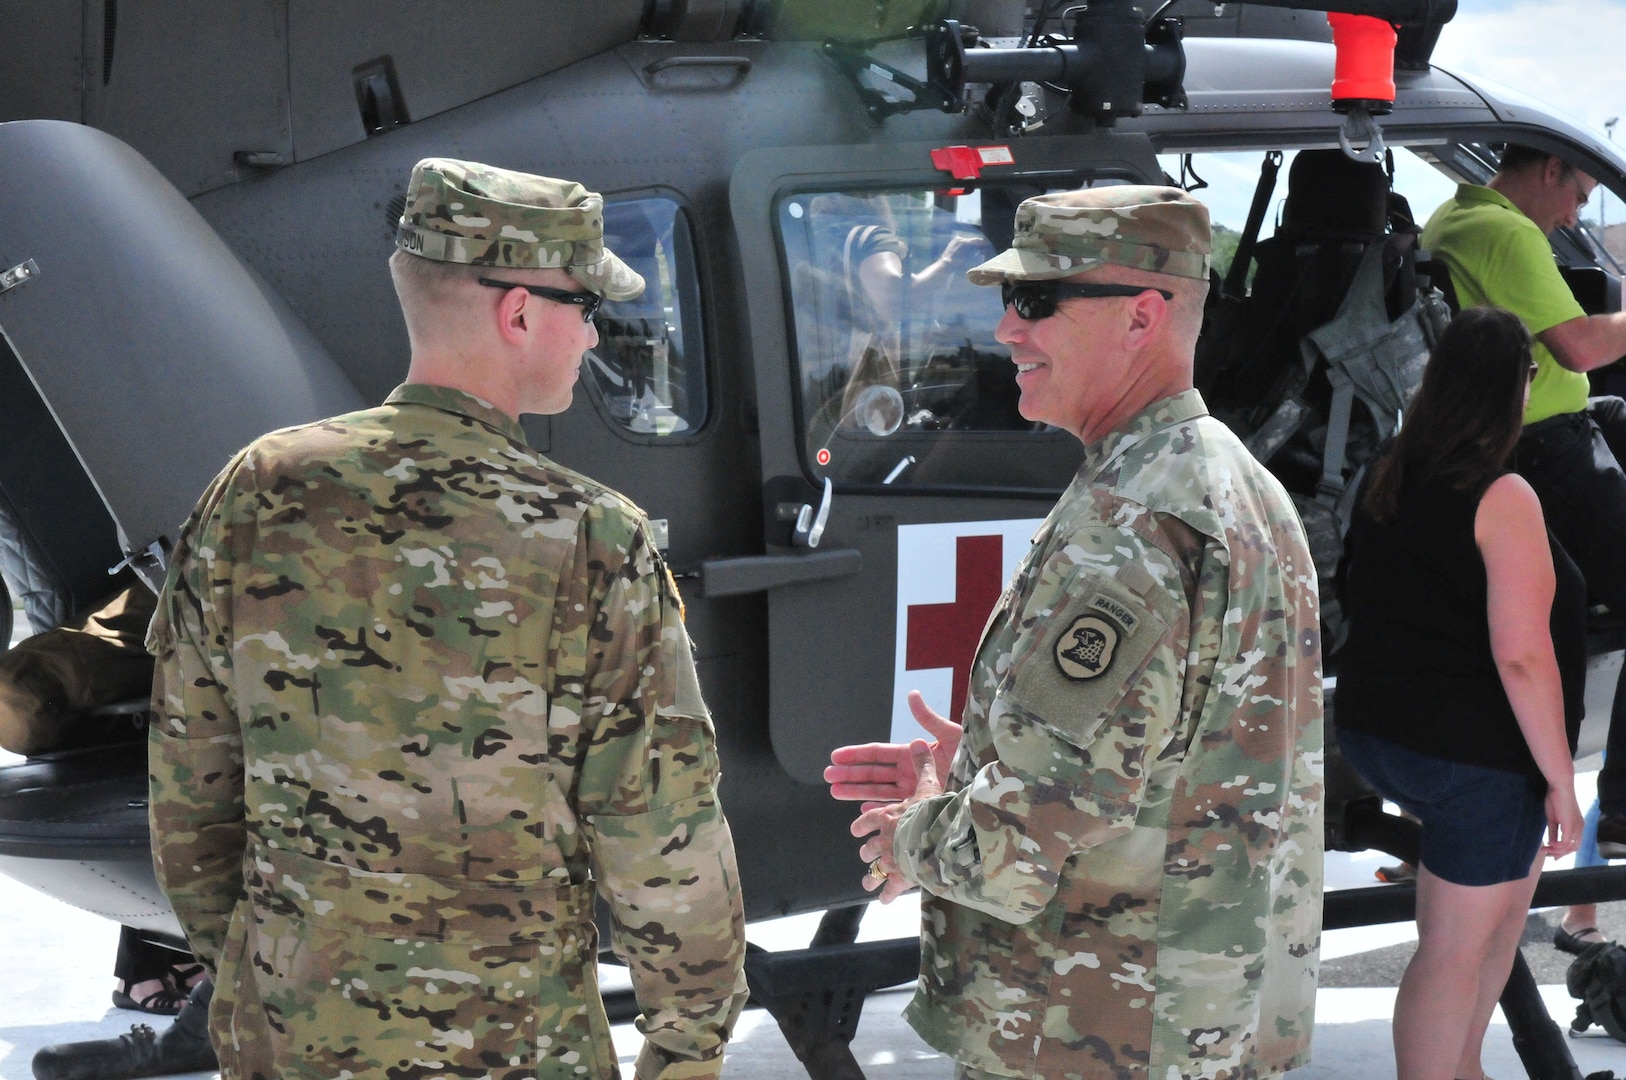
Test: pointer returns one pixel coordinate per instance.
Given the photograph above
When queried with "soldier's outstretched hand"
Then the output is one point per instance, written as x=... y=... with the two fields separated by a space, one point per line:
x=881 y=819
x=878 y=773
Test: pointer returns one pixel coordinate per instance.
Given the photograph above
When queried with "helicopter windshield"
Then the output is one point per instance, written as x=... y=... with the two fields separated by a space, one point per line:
x=900 y=378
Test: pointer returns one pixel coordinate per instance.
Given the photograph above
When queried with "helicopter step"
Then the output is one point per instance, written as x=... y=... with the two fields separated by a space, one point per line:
x=66 y=817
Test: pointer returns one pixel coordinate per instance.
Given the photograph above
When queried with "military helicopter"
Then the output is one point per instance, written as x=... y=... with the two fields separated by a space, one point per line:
x=196 y=202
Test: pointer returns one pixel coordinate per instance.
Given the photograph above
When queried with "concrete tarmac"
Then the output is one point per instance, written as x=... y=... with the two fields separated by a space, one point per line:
x=57 y=980
x=59 y=977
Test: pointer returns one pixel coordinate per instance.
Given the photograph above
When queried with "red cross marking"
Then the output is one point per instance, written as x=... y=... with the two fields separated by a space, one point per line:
x=945 y=635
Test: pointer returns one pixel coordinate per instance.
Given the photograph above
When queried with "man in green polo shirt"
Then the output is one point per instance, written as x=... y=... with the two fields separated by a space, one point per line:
x=1494 y=241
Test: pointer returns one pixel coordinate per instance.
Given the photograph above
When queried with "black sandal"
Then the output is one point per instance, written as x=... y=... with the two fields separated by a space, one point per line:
x=164 y=1001
x=1564 y=941
x=184 y=976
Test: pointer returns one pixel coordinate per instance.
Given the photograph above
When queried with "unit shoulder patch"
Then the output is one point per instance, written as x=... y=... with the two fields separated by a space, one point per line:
x=1085 y=650
x=1084 y=653
x=1089 y=644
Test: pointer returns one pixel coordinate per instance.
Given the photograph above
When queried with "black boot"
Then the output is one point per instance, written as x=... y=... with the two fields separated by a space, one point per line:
x=183 y=1047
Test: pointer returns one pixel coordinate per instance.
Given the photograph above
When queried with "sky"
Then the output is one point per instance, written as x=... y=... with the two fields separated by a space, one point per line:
x=1565 y=53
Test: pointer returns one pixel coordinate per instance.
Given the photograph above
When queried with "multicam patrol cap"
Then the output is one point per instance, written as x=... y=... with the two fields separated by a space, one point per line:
x=1161 y=229
x=465 y=212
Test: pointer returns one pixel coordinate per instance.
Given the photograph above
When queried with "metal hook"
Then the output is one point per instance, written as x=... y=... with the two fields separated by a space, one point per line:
x=1359 y=126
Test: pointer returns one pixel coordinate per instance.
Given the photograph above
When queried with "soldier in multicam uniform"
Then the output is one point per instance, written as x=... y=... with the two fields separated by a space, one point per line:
x=1123 y=876
x=422 y=693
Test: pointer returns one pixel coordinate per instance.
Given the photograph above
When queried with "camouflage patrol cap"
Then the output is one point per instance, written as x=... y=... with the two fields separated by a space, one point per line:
x=465 y=212
x=1161 y=229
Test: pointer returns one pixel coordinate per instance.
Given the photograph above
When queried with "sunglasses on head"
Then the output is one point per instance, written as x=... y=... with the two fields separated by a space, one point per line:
x=1035 y=300
x=588 y=301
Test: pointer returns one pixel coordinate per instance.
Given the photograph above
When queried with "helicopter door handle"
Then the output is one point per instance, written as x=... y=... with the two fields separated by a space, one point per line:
x=741 y=64
x=760 y=573
x=810 y=524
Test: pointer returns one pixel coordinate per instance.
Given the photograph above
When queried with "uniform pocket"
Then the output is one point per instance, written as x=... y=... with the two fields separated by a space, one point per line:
x=353 y=1004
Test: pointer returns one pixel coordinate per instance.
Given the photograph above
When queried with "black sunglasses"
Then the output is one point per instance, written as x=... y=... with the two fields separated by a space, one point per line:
x=588 y=301
x=1035 y=300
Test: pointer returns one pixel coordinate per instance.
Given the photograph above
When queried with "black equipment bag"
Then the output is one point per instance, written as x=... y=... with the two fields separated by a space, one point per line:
x=1598 y=978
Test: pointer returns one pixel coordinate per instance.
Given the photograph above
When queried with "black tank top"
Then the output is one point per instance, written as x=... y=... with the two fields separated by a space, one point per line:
x=1417 y=667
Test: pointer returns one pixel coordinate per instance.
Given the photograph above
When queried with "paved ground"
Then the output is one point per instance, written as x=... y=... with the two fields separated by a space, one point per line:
x=58 y=977
x=58 y=965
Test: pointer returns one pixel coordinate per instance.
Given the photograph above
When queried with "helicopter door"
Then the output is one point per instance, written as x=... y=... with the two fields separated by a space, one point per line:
x=902 y=486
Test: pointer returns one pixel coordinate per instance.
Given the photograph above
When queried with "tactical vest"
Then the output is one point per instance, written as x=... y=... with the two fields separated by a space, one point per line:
x=1315 y=366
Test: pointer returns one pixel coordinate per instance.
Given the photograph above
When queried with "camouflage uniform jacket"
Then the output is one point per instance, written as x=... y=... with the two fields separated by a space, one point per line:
x=419 y=691
x=1124 y=877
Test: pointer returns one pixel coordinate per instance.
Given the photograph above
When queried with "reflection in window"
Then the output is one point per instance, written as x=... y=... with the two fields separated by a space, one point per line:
x=648 y=371
x=900 y=376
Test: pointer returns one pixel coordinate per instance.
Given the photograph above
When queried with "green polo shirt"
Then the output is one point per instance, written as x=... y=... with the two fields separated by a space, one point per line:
x=1498 y=256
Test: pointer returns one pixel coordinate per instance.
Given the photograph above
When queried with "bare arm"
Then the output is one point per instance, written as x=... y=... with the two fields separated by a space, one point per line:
x=1512 y=539
x=1588 y=342
x=943 y=261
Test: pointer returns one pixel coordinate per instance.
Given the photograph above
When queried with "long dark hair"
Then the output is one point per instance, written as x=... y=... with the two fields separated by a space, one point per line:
x=1466 y=417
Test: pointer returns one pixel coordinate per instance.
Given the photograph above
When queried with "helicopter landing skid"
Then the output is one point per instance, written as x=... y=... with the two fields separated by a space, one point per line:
x=816 y=995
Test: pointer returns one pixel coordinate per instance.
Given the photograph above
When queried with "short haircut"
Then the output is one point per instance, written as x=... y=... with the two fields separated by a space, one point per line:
x=1516 y=157
x=431 y=293
x=422 y=281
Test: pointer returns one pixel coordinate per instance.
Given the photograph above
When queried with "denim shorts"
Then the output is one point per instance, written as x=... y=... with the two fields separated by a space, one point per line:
x=1480 y=826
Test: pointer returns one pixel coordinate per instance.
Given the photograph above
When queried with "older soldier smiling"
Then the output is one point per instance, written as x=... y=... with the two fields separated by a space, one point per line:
x=1123 y=869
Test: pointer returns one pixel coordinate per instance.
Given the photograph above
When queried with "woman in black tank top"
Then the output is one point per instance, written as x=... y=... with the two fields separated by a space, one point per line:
x=1449 y=693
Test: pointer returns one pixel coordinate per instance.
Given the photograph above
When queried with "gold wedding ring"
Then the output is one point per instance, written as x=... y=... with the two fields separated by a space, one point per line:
x=876 y=872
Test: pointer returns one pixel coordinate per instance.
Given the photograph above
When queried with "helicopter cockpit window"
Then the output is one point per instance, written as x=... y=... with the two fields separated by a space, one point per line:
x=900 y=378
x=648 y=372
x=1226 y=182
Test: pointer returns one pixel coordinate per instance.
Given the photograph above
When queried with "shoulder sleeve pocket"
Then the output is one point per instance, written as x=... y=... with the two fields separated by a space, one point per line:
x=1078 y=663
